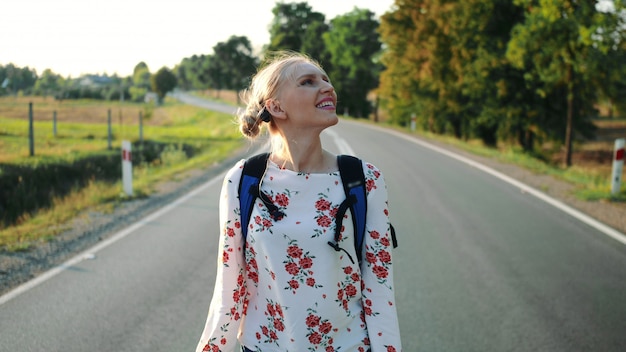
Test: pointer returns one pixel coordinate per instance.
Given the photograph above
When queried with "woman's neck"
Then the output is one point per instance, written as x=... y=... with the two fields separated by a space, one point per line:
x=304 y=156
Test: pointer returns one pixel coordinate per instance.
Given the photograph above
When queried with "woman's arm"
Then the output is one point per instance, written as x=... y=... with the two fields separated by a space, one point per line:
x=377 y=269
x=229 y=296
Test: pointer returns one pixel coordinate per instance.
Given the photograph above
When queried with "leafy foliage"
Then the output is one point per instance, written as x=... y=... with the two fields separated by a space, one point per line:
x=290 y=25
x=163 y=82
x=501 y=69
x=353 y=43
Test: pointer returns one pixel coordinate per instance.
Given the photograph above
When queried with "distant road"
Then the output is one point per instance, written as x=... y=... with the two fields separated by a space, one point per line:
x=481 y=267
x=204 y=103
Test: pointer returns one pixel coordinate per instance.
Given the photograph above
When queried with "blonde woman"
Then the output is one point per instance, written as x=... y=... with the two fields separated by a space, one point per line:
x=282 y=287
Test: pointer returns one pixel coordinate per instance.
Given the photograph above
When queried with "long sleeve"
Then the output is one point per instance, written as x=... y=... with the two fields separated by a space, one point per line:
x=377 y=270
x=230 y=295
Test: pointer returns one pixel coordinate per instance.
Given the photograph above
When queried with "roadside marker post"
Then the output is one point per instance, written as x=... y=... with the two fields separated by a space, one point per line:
x=618 y=166
x=127 y=168
x=413 y=122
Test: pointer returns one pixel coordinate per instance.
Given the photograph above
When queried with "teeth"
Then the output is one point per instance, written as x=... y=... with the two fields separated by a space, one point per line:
x=326 y=103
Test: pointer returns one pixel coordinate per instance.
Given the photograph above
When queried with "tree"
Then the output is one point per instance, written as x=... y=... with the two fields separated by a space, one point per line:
x=232 y=64
x=560 y=38
x=313 y=46
x=353 y=43
x=141 y=82
x=163 y=82
x=290 y=24
x=48 y=83
x=14 y=79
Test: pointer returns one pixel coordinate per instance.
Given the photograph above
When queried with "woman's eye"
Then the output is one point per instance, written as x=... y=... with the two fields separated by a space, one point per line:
x=307 y=82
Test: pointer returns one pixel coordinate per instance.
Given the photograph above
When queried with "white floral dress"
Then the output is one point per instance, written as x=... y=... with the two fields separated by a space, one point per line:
x=286 y=288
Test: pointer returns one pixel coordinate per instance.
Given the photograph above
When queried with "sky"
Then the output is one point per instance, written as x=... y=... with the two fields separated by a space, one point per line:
x=75 y=37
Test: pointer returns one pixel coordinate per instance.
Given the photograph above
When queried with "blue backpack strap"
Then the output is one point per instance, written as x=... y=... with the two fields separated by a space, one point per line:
x=253 y=170
x=353 y=179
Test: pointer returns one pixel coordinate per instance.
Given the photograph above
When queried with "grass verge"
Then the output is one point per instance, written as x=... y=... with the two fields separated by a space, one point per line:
x=188 y=138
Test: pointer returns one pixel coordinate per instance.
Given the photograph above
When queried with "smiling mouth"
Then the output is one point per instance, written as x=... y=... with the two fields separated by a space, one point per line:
x=325 y=105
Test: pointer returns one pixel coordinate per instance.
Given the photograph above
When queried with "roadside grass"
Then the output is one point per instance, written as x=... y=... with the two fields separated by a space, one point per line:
x=210 y=136
x=592 y=181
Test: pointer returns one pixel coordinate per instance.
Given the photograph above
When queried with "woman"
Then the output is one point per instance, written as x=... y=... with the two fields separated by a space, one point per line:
x=285 y=288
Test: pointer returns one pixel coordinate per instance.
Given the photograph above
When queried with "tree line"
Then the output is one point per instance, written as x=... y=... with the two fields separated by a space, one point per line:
x=519 y=71
x=523 y=70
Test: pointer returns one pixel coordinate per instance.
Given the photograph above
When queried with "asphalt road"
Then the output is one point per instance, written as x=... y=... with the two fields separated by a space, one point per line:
x=481 y=266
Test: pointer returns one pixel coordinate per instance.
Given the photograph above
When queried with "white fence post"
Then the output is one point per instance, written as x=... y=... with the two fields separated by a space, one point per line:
x=127 y=168
x=618 y=165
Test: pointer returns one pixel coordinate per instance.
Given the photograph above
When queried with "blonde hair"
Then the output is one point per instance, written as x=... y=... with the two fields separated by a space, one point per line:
x=276 y=69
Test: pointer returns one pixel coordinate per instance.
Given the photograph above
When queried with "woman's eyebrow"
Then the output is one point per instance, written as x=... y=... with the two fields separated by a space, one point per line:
x=312 y=75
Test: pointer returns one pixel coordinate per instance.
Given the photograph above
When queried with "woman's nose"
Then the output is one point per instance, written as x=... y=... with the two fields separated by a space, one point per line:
x=327 y=87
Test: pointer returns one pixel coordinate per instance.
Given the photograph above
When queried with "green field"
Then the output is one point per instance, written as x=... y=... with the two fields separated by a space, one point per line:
x=71 y=172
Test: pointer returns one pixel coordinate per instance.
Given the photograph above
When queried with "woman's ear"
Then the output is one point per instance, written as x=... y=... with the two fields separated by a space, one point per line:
x=273 y=106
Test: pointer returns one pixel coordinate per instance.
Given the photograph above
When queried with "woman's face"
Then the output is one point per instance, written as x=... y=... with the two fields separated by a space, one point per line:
x=308 y=98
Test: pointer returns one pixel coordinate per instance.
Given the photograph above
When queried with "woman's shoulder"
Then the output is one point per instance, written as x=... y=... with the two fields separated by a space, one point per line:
x=235 y=171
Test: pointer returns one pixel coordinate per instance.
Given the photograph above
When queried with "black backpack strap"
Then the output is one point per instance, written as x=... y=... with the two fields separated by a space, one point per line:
x=253 y=170
x=353 y=179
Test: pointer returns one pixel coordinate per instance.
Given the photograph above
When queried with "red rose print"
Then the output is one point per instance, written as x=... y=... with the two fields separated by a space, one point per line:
x=279 y=310
x=347 y=270
x=306 y=263
x=322 y=205
x=230 y=232
x=384 y=256
x=294 y=251
x=282 y=200
x=380 y=272
x=279 y=325
x=324 y=221
x=237 y=224
x=351 y=291
x=391 y=349
x=225 y=257
x=292 y=268
x=312 y=321
x=294 y=284
x=370 y=185
x=384 y=241
x=326 y=327
x=254 y=276
x=223 y=341
x=310 y=281
x=370 y=257
x=375 y=235
x=315 y=338
x=355 y=277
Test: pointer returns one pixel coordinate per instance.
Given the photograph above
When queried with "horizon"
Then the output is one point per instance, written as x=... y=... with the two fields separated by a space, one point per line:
x=80 y=37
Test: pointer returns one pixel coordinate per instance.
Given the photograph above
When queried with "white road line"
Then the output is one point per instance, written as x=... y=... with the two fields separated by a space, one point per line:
x=607 y=230
x=100 y=246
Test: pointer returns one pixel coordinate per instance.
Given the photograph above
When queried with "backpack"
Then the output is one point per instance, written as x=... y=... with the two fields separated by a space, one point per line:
x=352 y=178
